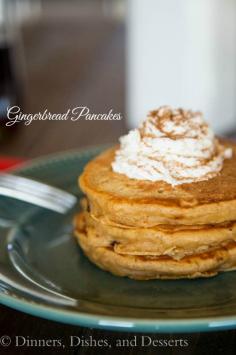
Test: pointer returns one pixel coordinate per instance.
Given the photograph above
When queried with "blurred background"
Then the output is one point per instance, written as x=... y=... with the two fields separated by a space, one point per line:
x=127 y=55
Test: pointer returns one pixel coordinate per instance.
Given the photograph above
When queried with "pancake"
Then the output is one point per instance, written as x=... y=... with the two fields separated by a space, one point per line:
x=148 y=267
x=149 y=230
x=141 y=203
x=173 y=242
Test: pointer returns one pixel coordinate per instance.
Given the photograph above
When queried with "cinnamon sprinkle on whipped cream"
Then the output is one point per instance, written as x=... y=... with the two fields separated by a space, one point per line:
x=173 y=145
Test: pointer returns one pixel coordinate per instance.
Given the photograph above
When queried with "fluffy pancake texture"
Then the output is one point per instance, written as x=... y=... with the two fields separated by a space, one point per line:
x=114 y=196
x=147 y=267
x=162 y=240
x=147 y=230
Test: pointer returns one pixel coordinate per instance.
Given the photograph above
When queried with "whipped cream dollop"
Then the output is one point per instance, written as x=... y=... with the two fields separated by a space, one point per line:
x=173 y=145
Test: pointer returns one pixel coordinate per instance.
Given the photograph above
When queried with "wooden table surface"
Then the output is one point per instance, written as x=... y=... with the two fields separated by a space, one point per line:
x=71 y=64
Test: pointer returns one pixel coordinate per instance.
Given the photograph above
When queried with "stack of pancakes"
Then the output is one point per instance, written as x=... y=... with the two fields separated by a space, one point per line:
x=149 y=230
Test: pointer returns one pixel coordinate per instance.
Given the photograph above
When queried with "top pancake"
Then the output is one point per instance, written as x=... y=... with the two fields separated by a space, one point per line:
x=147 y=203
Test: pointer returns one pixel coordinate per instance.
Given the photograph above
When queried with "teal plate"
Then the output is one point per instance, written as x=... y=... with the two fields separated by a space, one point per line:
x=43 y=272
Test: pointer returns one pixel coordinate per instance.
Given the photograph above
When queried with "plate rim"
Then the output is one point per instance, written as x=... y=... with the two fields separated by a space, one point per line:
x=53 y=157
x=94 y=320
